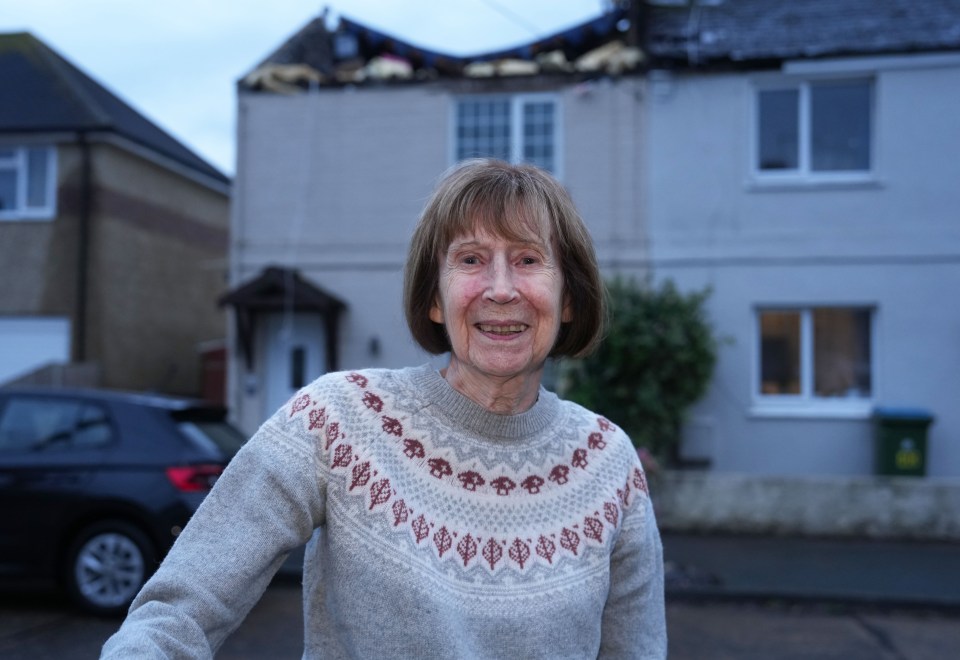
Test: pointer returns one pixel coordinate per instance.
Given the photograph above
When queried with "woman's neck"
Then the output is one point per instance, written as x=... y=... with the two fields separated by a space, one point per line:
x=504 y=396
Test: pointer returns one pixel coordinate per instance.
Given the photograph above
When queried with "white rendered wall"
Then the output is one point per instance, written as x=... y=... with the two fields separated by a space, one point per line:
x=892 y=243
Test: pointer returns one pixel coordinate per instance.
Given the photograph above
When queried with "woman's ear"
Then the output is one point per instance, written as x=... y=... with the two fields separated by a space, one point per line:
x=436 y=311
x=566 y=314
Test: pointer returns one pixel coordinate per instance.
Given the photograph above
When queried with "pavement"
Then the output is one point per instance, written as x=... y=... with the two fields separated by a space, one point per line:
x=896 y=573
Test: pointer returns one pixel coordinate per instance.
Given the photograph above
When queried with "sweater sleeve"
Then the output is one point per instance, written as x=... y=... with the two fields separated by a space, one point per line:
x=634 y=618
x=267 y=503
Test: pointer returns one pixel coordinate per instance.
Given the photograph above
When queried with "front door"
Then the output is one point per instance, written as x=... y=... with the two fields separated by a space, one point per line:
x=295 y=355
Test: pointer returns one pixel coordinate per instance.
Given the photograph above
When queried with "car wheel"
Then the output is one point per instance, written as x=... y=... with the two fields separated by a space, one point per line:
x=107 y=564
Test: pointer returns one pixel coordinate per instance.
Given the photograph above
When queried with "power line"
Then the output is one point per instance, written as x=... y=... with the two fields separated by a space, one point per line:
x=512 y=16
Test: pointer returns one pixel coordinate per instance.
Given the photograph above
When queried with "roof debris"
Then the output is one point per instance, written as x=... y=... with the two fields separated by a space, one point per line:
x=554 y=61
x=612 y=58
x=282 y=78
x=504 y=67
x=388 y=67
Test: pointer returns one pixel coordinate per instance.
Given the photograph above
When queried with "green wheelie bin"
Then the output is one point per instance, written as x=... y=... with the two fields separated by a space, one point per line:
x=901 y=441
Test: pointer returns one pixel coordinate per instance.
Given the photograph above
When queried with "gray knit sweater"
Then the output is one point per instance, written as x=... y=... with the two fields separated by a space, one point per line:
x=436 y=529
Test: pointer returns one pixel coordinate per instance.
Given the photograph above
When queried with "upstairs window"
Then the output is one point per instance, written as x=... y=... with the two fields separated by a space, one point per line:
x=27 y=183
x=816 y=354
x=815 y=128
x=517 y=129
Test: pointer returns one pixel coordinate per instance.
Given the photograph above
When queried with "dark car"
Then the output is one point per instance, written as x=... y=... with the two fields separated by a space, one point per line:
x=96 y=485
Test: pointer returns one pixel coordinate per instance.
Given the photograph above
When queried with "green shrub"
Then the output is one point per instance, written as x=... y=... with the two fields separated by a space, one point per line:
x=656 y=360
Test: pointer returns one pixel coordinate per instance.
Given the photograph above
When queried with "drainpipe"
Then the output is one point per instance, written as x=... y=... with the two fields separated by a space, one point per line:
x=83 y=248
x=634 y=32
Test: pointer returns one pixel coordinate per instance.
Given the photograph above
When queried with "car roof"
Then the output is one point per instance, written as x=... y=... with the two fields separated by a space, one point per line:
x=152 y=400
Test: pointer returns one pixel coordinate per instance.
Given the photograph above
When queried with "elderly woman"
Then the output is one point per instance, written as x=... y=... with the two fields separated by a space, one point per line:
x=465 y=513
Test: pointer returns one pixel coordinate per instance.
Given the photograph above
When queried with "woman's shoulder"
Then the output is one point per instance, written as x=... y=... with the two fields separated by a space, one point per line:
x=329 y=398
x=353 y=379
x=599 y=428
x=349 y=388
x=584 y=416
x=605 y=438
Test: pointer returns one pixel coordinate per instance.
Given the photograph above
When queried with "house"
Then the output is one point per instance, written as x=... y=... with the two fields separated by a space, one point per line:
x=797 y=158
x=342 y=133
x=801 y=162
x=113 y=236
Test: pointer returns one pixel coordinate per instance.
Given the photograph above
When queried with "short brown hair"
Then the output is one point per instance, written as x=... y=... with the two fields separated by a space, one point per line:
x=489 y=195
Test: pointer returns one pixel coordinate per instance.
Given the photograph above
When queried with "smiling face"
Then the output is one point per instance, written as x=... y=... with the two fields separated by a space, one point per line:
x=501 y=302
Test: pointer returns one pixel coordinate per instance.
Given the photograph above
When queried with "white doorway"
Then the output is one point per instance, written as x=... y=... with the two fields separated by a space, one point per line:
x=295 y=355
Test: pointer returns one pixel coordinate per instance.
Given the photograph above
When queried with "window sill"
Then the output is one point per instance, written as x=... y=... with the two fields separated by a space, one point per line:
x=802 y=183
x=26 y=217
x=847 y=410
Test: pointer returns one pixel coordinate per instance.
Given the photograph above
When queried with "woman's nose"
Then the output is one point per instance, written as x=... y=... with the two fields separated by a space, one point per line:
x=500 y=284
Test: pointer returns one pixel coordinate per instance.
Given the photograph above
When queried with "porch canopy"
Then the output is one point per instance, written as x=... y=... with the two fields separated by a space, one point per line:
x=277 y=290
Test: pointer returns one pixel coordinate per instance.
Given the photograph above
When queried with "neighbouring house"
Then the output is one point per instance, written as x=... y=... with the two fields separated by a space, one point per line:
x=795 y=157
x=113 y=237
x=802 y=162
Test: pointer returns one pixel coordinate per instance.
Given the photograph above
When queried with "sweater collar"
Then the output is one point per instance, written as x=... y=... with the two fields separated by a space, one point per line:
x=464 y=412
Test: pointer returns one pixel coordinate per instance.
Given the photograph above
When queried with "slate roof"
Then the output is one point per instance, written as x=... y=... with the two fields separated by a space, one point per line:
x=744 y=31
x=670 y=33
x=42 y=92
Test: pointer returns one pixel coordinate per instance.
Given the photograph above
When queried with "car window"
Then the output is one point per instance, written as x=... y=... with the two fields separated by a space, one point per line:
x=93 y=427
x=41 y=423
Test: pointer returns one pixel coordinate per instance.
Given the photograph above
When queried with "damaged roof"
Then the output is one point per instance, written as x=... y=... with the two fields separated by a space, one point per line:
x=355 y=53
x=632 y=37
x=44 y=93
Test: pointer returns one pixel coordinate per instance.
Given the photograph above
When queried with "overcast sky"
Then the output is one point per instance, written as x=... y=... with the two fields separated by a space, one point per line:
x=176 y=61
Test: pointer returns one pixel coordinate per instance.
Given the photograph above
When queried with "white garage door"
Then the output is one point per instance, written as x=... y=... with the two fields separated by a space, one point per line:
x=27 y=343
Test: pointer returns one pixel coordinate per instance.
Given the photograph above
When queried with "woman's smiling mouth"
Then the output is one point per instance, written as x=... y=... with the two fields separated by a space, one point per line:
x=514 y=328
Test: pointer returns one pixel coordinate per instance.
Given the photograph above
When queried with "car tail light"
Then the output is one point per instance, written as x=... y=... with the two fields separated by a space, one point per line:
x=194 y=478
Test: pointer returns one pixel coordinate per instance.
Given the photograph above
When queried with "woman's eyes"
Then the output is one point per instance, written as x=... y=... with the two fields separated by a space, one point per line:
x=521 y=260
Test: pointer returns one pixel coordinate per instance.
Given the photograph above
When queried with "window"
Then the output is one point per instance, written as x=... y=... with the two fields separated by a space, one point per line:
x=27 y=182
x=817 y=129
x=513 y=128
x=41 y=423
x=818 y=354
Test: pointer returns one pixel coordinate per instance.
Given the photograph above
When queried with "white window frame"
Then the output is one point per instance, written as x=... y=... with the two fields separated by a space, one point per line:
x=18 y=161
x=804 y=172
x=517 y=104
x=807 y=404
